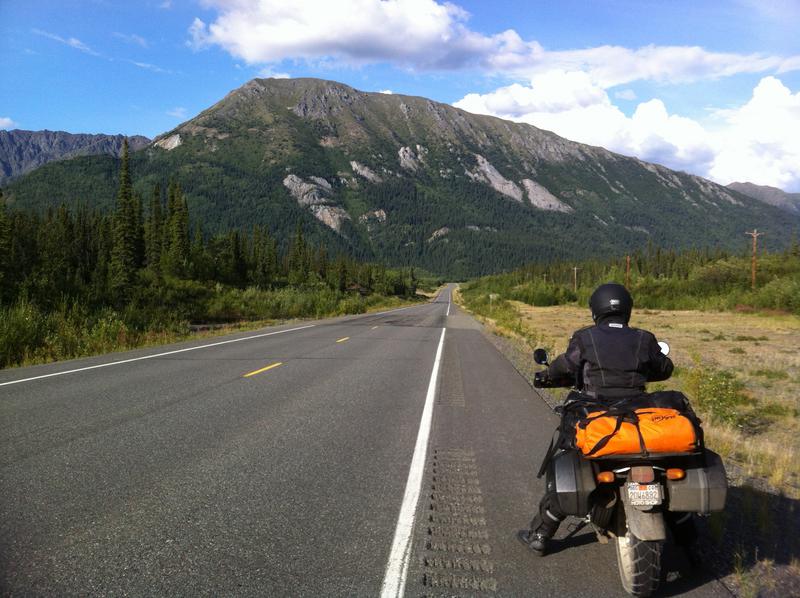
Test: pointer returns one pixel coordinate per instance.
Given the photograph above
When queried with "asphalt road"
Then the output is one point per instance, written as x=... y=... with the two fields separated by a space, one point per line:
x=171 y=471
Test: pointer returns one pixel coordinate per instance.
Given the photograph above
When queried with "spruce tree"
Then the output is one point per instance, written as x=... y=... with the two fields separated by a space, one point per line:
x=138 y=231
x=200 y=262
x=122 y=270
x=5 y=253
x=176 y=234
x=263 y=259
x=298 y=258
x=341 y=275
x=154 y=232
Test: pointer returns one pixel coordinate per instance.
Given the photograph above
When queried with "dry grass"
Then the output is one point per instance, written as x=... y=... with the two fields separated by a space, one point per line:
x=760 y=349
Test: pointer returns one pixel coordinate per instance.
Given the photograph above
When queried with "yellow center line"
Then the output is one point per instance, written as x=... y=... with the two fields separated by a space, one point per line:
x=341 y=340
x=269 y=367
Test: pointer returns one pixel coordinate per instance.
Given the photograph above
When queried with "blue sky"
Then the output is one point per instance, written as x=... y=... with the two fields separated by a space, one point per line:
x=708 y=87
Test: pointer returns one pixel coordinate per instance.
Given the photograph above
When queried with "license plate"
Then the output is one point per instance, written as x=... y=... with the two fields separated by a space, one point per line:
x=644 y=494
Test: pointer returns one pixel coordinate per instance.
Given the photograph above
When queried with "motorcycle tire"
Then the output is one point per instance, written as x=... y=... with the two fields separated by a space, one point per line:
x=639 y=564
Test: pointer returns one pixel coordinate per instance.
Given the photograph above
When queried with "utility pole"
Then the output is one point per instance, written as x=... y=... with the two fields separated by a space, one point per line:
x=575 y=278
x=755 y=234
x=627 y=272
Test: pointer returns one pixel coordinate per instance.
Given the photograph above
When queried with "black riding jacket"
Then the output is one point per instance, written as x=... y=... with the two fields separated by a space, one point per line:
x=610 y=359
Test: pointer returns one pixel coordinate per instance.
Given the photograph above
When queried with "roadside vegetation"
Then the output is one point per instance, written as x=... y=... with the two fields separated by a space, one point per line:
x=75 y=282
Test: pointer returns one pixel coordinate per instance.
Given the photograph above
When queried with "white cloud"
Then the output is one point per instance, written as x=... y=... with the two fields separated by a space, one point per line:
x=149 y=67
x=420 y=33
x=760 y=141
x=7 y=123
x=429 y=35
x=386 y=91
x=269 y=73
x=177 y=112
x=166 y=4
x=132 y=38
x=609 y=66
x=72 y=42
x=625 y=94
x=757 y=142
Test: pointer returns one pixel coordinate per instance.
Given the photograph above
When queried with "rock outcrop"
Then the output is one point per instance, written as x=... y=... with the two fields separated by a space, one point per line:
x=316 y=197
x=541 y=198
x=169 y=143
x=484 y=172
x=365 y=172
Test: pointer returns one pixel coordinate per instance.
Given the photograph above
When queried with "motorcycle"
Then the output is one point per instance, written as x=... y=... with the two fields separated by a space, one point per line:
x=630 y=499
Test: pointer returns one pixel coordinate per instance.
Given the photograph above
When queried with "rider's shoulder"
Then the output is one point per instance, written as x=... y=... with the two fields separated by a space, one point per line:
x=583 y=331
x=643 y=332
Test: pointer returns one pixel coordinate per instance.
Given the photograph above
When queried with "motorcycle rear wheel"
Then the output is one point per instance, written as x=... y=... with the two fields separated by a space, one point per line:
x=639 y=564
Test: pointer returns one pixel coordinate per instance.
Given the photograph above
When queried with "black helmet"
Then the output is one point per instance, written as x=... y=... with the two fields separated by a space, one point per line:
x=611 y=299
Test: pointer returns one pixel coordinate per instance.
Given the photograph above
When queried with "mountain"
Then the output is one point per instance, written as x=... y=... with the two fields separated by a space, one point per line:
x=410 y=181
x=771 y=195
x=22 y=151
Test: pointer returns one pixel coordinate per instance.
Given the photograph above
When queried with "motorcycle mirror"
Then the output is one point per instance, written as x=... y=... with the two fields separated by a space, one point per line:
x=664 y=347
x=540 y=356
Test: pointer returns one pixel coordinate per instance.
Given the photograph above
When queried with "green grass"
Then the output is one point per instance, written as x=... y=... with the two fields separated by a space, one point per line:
x=770 y=374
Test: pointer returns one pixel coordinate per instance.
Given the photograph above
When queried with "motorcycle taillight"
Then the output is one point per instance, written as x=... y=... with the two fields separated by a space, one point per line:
x=642 y=474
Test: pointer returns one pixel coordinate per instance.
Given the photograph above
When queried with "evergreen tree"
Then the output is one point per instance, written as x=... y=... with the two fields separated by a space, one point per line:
x=263 y=259
x=122 y=269
x=298 y=259
x=101 y=274
x=154 y=240
x=6 y=291
x=201 y=264
x=341 y=275
x=138 y=231
x=321 y=262
x=177 y=233
x=233 y=267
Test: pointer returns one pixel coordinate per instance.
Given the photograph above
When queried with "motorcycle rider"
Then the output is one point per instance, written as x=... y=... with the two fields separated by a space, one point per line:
x=609 y=360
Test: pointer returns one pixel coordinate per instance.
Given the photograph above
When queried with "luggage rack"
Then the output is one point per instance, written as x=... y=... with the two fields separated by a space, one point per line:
x=641 y=457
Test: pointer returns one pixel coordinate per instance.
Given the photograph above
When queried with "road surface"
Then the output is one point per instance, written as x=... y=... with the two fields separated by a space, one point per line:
x=386 y=453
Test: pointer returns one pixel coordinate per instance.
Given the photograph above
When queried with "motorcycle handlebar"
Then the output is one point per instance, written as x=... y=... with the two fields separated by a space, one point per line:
x=542 y=380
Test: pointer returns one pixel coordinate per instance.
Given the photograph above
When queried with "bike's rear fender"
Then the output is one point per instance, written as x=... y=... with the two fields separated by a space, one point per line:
x=645 y=525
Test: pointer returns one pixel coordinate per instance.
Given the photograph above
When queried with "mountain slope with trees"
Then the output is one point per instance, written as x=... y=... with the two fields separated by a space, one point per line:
x=23 y=151
x=408 y=181
x=79 y=281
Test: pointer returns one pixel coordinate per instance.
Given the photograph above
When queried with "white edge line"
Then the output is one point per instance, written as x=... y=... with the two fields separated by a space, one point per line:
x=105 y=365
x=394 y=580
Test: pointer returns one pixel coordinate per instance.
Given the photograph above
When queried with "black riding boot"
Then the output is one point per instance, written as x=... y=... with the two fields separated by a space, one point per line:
x=544 y=525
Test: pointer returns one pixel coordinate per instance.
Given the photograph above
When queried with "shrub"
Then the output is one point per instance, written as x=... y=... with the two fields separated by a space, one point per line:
x=22 y=328
x=716 y=392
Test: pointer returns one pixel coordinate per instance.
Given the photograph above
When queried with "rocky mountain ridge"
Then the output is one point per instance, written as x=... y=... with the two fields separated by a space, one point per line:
x=771 y=195
x=22 y=151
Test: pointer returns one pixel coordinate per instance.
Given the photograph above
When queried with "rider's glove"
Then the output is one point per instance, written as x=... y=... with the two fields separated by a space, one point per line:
x=541 y=379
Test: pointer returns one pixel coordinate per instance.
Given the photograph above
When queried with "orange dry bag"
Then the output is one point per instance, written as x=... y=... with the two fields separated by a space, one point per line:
x=644 y=431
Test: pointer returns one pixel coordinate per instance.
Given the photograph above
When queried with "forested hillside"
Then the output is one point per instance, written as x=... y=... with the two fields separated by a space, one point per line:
x=78 y=280
x=407 y=181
